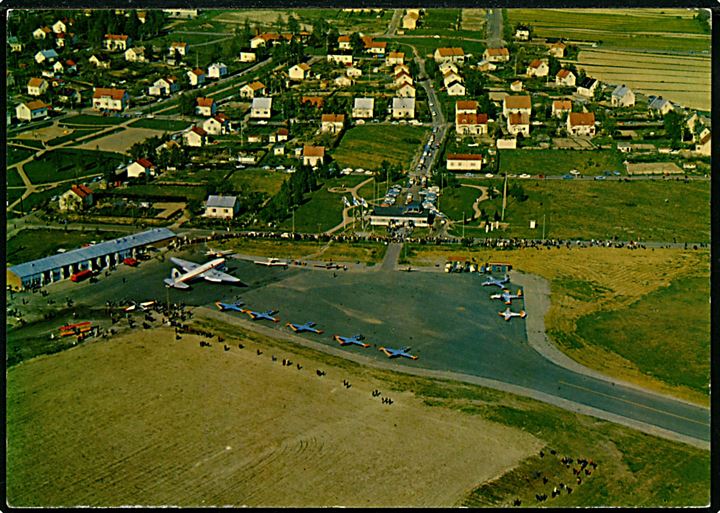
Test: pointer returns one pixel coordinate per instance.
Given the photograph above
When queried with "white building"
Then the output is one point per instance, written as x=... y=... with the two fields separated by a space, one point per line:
x=223 y=207
x=261 y=108
x=363 y=108
x=403 y=108
x=217 y=70
x=31 y=111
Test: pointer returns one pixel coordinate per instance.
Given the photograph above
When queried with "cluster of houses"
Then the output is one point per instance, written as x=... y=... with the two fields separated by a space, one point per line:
x=449 y=61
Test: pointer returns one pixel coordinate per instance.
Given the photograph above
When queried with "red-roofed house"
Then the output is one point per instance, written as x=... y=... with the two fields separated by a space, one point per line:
x=466 y=107
x=470 y=123
x=196 y=77
x=110 y=99
x=517 y=104
x=196 y=136
x=77 y=198
x=395 y=58
x=299 y=71
x=518 y=123
x=537 y=68
x=464 y=162
x=332 y=123
x=116 y=42
x=496 y=55
x=313 y=156
x=565 y=77
x=581 y=123
x=561 y=107
x=31 y=110
x=140 y=167
x=557 y=50
x=252 y=89
x=217 y=125
x=37 y=86
x=344 y=43
x=177 y=48
x=205 y=107
x=449 y=55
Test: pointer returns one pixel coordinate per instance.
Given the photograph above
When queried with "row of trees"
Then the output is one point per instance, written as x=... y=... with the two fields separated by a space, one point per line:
x=291 y=194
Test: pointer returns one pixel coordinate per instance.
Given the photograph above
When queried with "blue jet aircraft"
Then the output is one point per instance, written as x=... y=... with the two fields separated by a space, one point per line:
x=498 y=283
x=308 y=326
x=507 y=314
x=237 y=306
x=355 y=339
x=256 y=316
x=394 y=353
x=507 y=297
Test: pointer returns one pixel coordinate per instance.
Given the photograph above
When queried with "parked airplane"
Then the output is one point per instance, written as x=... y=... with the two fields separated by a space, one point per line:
x=498 y=283
x=355 y=339
x=256 y=316
x=507 y=314
x=507 y=296
x=271 y=262
x=308 y=326
x=346 y=202
x=192 y=270
x=143 y=306
x=218 y=252
x=237 y=306
x=394 y=353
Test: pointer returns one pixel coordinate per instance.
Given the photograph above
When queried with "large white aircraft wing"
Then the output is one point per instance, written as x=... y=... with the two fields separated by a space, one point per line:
x=218 y=276
x=186 y=266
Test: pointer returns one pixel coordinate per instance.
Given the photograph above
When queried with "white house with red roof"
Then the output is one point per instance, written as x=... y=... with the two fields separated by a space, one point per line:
x=196 y=136
x=141 y=167
x=110 y=99
x=77 y=198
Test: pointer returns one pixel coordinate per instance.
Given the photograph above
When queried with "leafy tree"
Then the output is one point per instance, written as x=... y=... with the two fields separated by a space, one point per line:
x=293 y=25
x=357 y=44
x=553 y=66
x=187 y=102
x=673 y=128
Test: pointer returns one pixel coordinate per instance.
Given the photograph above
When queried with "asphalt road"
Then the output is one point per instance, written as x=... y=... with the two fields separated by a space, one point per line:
x=494 y=28
x=449 y=321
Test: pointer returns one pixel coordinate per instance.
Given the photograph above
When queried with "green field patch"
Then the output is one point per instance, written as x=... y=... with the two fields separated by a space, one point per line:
x=67 y=163
x=166 y=125
x=15 y=154
x=560 y=162
x=74 y=134
x=582 y=290
x=257 y=180
x=31 y=244
x=455 y=201
x=84 y=119
x=13 y=178
x=366 y=146
x=11 y=195
x=428 y=45
x=670 y=347
x=161 y=192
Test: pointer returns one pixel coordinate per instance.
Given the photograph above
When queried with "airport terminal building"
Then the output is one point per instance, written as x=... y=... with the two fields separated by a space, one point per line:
x=98 y=256
x=400 y=216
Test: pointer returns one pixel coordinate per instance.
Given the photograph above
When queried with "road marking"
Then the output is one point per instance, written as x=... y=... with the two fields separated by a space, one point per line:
x=633 y=403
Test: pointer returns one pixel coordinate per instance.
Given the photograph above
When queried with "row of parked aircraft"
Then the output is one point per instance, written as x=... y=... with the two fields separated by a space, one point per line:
x=310 y=327
x=506 y=296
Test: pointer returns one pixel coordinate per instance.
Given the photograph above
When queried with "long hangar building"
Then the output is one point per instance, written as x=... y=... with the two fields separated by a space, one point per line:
x=98 y=256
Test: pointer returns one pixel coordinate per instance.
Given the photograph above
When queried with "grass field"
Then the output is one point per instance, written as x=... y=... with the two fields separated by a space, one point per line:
x=366 y=146
x=30 y=244
x=644 y=210
x=259 y=180
x=84 y=119
x=456 y=200
x=13 y=178
x=188 y=192
x=120 y=455
x=166 y=125
x=66 y=163
x=560 y=162
x=612 y=284
x=13 y=194
x=426 y=46
x=473 y=19
x=338 y=252
x=15 y=154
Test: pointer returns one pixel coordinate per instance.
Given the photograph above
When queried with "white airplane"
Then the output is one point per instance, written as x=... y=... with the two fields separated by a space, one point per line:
x=346 y=202
x=507 y=314
x=218 y=253
x=507 y=297
x=192 y=270
x=271 y=262
x=496 y=282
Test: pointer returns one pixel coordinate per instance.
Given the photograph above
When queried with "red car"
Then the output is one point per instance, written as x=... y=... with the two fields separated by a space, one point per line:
x=130 y=261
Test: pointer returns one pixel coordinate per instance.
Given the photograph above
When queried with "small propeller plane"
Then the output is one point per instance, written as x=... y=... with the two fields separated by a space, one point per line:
x=394 y=353
x=496 y=282
x=355 y=339
x=308 y=326
x=271 y=262
x=143 y=306
x=507 y=296
x=507 y=314
x=256 y=316
x=192 y=270
x=237 y=306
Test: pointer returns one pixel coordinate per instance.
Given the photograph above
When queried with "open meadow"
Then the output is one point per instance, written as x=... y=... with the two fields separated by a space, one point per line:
x=596 y=291
x=366 y=146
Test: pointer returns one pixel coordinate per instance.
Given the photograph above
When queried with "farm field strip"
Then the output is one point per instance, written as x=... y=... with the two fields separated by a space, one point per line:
x=473 y=19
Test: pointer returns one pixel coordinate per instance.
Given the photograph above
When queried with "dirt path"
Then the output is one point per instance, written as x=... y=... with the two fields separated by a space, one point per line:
x=347 y=219
x=483 y=197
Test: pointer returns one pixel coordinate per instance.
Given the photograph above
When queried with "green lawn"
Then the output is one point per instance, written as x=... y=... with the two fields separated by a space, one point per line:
x=648 y=210
x=84 y=119
x=15 y=154
x=560 y=162
x=31 y=244
x=13 y=178
x=456 y=200
x=427 y=46
x=66 y=163
x=167 y=125
x=366 y=146
x=257 y=180
x=150 y=191
x=673 y=348
x=13 y=194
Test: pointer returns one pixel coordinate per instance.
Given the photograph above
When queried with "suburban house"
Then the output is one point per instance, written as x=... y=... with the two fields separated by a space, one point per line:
x=196 y=136
x=71 y=66
x=403 y=108
x=353 y=72
x=59 y=26
x=114 y=42
x=252 y=89
x=185 y=14
x=15 y=44
x=557 y=50
x=110 y=99
x=136 y=54
x=402 y=78
x=703 y=145
x=77 y=198
x=344 y=43
x=196 y=77
x=332 y=123
x=659 y=105
x=455 y=88
x=217 y=70
x=100 y=61
x=37 y=86
x=299 y=71
x=46 y=55
x=62 y=38
x=394 y=58
x=282 y=134
x=247 y=56
x=581 y=123
x=58 y=67
x=404 y=67
x=561 y=107
x=177 y=48
x=343 y=81
x=520 y=104
x=496 y=55
x=313 y=156
x=464 y=162
x=164 y=87
x=315 y=101
x=205 y=106
x=264 y=38
x=223 y=207
x=485 y=66
x=451 y=76
x=279 y=149
x=340 y=58
x=217 y=125
x=522 y=33
x=68 y=95
x=409 y=21
x=261 y=108
x=446 y=67
x=537 y=68
x=167 y=145
x=516 y=86
x=141 y=167
x=376 y=48
x=565 y=77
x=449 y=55
x=31 y=111
x=518 y=123
x=42 y=33
x=466 y=107
x=587 y=87
x=622 y=96
x=363 y=108
x=471 y=123
x=406 y=91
